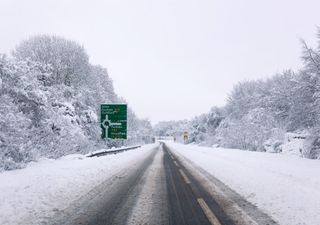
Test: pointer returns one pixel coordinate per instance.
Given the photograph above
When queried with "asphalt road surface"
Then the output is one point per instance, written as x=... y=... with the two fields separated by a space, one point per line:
x=162 y=189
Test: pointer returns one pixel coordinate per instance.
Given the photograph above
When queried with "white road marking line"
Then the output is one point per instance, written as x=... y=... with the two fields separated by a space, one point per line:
x=207 y=211
x=186 y=179
x=175 y=162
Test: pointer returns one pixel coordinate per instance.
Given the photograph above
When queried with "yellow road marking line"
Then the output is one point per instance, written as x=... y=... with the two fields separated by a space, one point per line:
x=207 y=211
x=186 y=179
x=244 y=215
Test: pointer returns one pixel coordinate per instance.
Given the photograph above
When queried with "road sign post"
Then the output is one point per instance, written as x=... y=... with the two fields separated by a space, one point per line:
x=113 y=119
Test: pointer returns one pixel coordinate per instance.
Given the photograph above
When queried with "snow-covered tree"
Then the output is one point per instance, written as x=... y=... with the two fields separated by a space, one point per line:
x=50 y=99
x=68 y=60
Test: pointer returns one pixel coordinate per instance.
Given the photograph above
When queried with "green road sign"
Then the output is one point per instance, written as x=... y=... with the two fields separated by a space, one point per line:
x=113 y=121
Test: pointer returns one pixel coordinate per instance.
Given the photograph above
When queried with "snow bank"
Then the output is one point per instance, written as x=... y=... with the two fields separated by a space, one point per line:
x=294 y=143
x=30 y=195
x=284 y=186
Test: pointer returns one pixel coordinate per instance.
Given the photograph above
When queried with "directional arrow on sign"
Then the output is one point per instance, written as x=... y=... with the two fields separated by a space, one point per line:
x=113 y=121
x=107 y=123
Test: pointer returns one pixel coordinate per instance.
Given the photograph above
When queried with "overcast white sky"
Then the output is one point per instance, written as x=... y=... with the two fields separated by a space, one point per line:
x=172 y=59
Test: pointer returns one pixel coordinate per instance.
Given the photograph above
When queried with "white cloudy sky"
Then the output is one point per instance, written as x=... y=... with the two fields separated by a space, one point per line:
x=172 y=59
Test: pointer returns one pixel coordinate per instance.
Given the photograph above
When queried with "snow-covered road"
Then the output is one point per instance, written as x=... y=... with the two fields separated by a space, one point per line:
x=285 y=187
x=45 y=189
x=164 y=184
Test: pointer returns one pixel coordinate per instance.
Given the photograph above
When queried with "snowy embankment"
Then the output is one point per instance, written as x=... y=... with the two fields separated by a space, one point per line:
x=36 y=193
x=286 y=187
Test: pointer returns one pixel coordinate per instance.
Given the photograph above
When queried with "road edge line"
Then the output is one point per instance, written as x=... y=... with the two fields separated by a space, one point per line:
x=207 y=211
x=186 y=179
